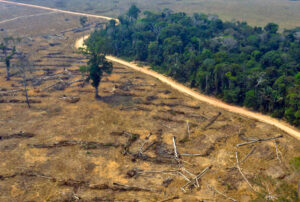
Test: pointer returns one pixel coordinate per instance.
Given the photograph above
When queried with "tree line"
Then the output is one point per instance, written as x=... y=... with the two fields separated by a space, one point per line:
x=249 y=66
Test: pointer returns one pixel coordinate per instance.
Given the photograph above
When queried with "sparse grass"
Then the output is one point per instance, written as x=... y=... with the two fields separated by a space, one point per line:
x=282 y=191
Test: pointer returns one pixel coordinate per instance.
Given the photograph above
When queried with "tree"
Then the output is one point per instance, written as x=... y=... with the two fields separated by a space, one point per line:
x=8 y=48
x=83 y=20
x=271 y=28
x=250 y=99
x=23 y=65
x=95 y=50
x=133 y=12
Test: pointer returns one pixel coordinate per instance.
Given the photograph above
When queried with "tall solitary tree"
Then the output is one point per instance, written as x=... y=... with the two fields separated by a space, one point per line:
x=23 y=65
x=83 y=20
x=133 y=12
x=8 y=48
x=95 y=50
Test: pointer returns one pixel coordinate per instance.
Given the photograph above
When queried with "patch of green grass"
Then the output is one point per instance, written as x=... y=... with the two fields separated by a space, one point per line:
x=295 y=162
x=283 y=191
x=134 y=137
x=109 y=144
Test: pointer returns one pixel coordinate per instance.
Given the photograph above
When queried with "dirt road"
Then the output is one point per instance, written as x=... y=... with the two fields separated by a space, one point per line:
x=181 y=88
x=210 y=100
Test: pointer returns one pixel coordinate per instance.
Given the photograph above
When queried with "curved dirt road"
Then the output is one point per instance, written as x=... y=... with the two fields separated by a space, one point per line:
x=146 y=70
x=210 y=100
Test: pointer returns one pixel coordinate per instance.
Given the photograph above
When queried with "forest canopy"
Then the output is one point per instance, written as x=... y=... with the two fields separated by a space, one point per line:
x=249 y=66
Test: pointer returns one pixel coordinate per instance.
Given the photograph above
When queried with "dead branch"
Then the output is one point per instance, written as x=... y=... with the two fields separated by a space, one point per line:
x=196 y=178
x=123 y=187
x=131 y=139
x=222 y=194
x=175 y=148
x=149 y=146
x=169 y=199
x=211 y=121
x=192 y=155
x=277 y=152
x=163 y=171
x=141 y=148
x=188 y=129
x=148 y=136
x=250 y=153
x=259 y=140
x=185 y=177
x=192 y=175
x=240 y=170
x=47 y=87
x=71 y=82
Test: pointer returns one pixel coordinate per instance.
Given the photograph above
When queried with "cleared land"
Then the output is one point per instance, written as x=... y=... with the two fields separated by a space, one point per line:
x=256 y=12
x=77 y=150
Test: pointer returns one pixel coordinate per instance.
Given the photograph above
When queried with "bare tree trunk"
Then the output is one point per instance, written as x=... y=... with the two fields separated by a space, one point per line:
x=96 y=93
x=7 y=63
x=25 y=89
x=206 y=83
x=7 y=73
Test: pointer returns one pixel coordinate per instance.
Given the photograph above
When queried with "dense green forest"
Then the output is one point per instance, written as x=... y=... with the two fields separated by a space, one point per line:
x=249 y=66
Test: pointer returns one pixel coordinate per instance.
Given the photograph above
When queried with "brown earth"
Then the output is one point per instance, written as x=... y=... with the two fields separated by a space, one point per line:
x=86 y=149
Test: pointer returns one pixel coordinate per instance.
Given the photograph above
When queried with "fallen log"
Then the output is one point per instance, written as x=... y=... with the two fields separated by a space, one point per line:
x=132 y=138
x=259 y=140
x=20 y=101
x=175 y=148
x=196 y=178
x=170 y=199
x=211 y=121
x=250 y=153
x=67 y=143
x=240 y=170
x=17 y=135
x=222 y=194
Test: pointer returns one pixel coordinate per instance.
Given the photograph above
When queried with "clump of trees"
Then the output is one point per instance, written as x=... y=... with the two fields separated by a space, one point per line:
x=250 y=66
x=95 y=49
x=8 y=49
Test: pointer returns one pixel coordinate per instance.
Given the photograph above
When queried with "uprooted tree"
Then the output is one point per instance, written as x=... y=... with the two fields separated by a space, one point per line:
x=8 y=48
x=94 y=50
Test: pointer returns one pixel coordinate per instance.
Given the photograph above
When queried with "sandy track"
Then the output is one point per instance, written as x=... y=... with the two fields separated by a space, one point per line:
x=181 y=88
x=210 y=100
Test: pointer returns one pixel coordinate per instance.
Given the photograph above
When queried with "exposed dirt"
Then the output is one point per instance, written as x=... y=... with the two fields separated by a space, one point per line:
x=120 y=148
